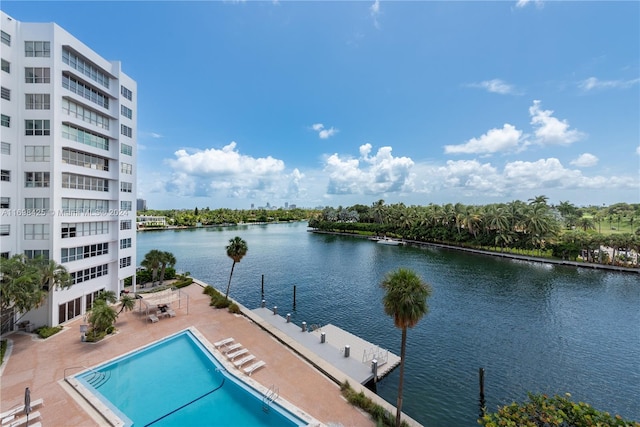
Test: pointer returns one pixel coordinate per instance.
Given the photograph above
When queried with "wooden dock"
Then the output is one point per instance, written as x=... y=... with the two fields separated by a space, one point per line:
x=357 y=364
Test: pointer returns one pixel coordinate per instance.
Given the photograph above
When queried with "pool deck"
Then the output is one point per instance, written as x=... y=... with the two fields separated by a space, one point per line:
x=42 y=365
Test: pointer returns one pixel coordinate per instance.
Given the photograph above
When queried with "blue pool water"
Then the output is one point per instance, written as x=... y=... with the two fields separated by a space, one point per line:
x=178 y=382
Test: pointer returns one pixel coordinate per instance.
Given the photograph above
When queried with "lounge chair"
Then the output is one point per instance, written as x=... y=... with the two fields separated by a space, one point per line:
x=244 y=360
x=251 y=368
x=171 y=313
x=18 y=409
x=232 y=355
x=153 y=318
x=225 y=342
x=232 y=347
x=23 y=420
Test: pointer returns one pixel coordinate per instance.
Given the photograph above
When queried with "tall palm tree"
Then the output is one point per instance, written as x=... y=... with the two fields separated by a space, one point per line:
x=151 y=262
x=101 y=316
x=236 y=250
x=166 y=259
x=127 y=303
x=406 y=301
x=52 y=274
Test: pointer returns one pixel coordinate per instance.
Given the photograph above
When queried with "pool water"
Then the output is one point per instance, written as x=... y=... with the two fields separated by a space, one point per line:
x=178 y=382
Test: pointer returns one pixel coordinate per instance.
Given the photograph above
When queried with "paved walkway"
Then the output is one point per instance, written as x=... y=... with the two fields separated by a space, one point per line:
x=41 y=365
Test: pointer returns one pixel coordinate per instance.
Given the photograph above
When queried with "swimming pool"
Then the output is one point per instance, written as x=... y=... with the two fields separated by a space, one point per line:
x=178 y=382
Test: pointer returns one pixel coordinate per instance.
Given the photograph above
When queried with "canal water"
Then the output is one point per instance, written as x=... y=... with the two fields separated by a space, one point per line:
x=533 y=327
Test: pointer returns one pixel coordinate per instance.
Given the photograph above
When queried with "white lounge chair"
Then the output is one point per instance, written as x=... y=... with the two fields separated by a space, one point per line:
x=171 y=313
x=244 y=360
x=23 y=420
x=251 y=368
x=225 y=342
x=232 y=355
x=17 y=409
x=153 y=318
x=232 y=347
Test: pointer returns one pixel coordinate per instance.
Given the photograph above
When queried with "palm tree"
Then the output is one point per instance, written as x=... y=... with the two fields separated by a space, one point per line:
x=236 y=250
x=127 y=303
x=102 y=316
x=151 y=262
x=52 y=274
x=406 y=301
x=166 y=259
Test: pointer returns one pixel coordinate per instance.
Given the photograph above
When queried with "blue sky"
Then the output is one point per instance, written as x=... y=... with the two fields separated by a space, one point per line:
x=345 y=102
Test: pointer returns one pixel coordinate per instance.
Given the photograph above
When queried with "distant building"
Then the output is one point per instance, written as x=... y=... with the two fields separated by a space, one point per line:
x=68 y=163
x=144 y=221
x=141 y=205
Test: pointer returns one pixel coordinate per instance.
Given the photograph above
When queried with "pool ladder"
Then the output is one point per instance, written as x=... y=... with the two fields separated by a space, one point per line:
x=271 y=395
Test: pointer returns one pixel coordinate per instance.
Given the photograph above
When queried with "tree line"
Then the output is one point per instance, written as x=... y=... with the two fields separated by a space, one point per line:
x=534 y=227
x=223 y=216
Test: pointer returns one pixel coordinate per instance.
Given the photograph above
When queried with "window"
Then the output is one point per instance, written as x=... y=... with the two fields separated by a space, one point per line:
x=5 y=175
x=84 y=229
x=36 y=203
x=85 y=91
x=126 y=149
x=126 y=187
x=5 y=202
x=85 y=205
x=126 y=168
x=89 y=273
x=125 y=224
x=36 y=232
x=5 y=229
x=127 y=112
x=126 y=93
x=37 y=127
x=126 y=130
x=125 y=243
x=6 y=67
x=69 y=310
x=85 y=114
x=90 y=298
x=35 y=253
x=125 y=262
x=37 y=75
x=36 y=153
x=37 y=49
x=6 y=38
x=4 y=255
x=37 y=101
x=125 y=206
x=5 y=93
x=84 y=137
x=86 y=160
x=82 y=252
x=6 y=121
x=85 y=67
x=36 y=179
x=6 y=148
x=82 y=182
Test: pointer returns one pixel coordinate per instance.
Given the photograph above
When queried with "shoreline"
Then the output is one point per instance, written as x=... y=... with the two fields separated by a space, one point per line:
x=593 y=266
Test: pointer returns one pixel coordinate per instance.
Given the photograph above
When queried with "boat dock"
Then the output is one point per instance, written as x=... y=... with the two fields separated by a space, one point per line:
x=342 y=350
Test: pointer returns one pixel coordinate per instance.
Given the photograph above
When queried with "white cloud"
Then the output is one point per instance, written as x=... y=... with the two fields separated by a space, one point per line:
x=585 y=160
x=322 y=132
x=523 y=3
x=374 y=10
x=549 y=130
x=495 y=86
x=593 y=83
x=369 y=175
x=228 y=173
x=493 y=141
x=638 y=150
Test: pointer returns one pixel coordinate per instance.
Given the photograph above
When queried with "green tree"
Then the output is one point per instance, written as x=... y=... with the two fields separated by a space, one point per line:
x=236 y=250
x=102 y=316
x=127 y=303
x=151 y=262
x=166 y=259
x=405 y=300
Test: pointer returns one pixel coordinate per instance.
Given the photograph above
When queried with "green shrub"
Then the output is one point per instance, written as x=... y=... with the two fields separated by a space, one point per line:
x=46 y=331
x=182 y=282
x=552 y=411
x=234 y=308
x=382 y=417
x=94 y=336
x=222 y=303
x=110 y=330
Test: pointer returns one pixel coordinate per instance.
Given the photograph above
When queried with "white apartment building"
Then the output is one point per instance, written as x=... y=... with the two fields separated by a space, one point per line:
x=68 y=185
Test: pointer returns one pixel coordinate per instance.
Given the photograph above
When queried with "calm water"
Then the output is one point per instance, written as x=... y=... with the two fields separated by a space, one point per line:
x=533 y=327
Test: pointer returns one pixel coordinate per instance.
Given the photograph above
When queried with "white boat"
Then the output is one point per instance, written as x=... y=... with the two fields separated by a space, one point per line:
x=390 y=242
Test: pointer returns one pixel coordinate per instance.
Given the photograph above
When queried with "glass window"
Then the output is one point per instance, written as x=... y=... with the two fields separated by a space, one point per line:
x=37 y=75
x=5 y=93
x=5 y=202
x=40 y=49
x=6 y=66
x=37 y=153
x=126 y=130
x=37 y=101
x=6 y=121
x=6 y=38
x=5 y=175
x=126 y=149
x=6 y=148
x=37 y=127
x=126 y=93
x=5 y=229
x=127 y=112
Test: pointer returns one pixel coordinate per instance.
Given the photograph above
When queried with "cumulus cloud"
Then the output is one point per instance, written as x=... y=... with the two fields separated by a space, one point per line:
x=550 y=130
x=324 y=133
x=495 y=86
x=585 y=160
x=593 y=83
x=495 y=140
x=369 y=174
x=227 y=172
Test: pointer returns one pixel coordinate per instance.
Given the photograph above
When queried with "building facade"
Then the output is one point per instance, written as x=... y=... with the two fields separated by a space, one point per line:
x=68 y=163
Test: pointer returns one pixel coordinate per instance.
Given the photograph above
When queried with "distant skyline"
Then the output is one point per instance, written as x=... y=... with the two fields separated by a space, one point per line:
x=336 y=103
